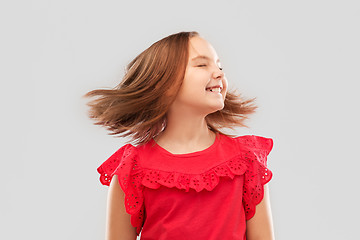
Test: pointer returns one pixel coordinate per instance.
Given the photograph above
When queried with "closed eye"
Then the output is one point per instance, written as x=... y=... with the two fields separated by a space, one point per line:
x=204 y=65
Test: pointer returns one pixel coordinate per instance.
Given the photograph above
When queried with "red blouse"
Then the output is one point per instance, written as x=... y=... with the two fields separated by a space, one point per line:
x=207 y=194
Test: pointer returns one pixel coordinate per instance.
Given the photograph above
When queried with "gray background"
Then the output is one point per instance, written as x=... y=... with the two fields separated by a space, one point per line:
x=299 y=58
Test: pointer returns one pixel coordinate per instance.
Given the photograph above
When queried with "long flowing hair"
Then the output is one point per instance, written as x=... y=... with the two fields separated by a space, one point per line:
x=137 y=106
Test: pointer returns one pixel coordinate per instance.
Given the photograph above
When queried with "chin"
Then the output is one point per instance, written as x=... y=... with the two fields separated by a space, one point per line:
x=216 y=108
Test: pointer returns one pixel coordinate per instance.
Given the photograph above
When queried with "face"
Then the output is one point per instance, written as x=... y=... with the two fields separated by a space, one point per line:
x=204 y=86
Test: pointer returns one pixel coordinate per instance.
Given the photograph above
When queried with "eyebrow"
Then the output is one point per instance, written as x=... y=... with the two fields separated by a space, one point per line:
x=203 y=57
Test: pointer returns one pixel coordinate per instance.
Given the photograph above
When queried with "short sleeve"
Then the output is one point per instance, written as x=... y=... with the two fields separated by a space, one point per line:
x=124 y=164
x=257 y=174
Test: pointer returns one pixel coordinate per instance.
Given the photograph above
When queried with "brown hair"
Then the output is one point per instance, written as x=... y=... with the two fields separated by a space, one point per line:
x=137 y=106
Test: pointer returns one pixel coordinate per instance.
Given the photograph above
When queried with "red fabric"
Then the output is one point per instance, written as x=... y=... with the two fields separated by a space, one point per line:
x=207 y=194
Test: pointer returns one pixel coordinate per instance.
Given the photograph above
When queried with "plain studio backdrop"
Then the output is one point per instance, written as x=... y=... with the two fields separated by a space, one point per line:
x=299 y=58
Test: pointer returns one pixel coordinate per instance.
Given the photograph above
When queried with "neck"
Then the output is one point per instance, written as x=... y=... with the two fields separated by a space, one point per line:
x=186 y=129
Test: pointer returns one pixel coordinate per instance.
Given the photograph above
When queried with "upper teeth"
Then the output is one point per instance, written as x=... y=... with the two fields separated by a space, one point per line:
x=215 y=89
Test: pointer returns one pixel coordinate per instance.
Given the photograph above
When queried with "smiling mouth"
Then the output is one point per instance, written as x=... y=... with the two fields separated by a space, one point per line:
x=214 y=89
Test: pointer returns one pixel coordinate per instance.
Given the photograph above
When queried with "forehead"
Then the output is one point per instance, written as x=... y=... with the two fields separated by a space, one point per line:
x=200 y=47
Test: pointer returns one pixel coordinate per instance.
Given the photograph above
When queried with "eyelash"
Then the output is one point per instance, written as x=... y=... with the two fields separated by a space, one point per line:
x=204 y=65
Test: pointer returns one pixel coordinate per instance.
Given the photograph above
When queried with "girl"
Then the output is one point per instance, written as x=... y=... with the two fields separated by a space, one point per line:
x=183 y=178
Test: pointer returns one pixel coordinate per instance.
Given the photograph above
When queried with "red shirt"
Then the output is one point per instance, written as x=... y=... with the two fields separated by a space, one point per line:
x=207 y=194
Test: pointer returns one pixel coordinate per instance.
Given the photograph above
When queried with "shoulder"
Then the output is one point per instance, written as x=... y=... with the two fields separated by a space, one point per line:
x=250 y=142
x=121 y=158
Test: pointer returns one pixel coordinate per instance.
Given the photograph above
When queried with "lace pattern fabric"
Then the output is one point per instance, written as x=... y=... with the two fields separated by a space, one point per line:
x=123 y=163
x=257 y=174
x=250 y=161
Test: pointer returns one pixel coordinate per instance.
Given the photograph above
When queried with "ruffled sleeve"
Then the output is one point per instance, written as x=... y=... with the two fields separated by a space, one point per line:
x=257 y=174
x=124 y=164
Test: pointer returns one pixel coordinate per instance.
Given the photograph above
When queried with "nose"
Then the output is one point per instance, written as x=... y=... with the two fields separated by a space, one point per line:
x=218 y=74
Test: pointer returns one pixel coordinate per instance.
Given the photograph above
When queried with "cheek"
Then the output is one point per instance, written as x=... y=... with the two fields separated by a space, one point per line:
x=225 y=85
x=187 y=88
x=194 y=81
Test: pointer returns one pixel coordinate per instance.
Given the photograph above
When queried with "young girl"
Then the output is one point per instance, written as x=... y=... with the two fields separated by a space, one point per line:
x=183 y=178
